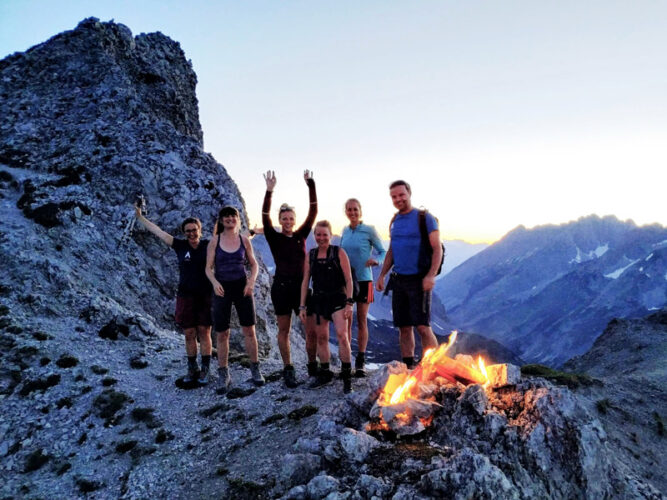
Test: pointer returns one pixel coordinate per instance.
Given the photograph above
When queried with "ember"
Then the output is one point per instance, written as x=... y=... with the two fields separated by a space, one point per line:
x=407 y=402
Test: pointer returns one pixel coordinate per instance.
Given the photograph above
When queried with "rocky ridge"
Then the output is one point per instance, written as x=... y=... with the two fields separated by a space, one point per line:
x=89 y=355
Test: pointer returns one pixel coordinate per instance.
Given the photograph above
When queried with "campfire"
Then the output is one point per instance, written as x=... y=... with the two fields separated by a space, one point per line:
x=407 y=402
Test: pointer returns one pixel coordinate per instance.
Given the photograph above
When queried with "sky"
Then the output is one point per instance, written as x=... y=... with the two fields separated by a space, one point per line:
x=498 y=114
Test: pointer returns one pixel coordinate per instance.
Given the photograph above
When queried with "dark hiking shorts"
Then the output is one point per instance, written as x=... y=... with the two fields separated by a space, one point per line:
x=193 y=311
x=410 y=304
x=286 y=295
x=323 y=305
x=222 y=306
x=365 y=295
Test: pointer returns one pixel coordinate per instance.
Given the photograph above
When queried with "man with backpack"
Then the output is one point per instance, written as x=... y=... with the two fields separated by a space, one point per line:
x=416 y=254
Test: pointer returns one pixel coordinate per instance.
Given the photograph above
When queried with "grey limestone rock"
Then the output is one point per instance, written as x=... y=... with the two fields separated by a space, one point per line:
x=299 y=468
x=357 y=445
x=469 y=475
x=322 y=486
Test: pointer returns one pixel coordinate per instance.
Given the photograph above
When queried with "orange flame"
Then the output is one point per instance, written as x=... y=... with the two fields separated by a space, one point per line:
x=435 y=362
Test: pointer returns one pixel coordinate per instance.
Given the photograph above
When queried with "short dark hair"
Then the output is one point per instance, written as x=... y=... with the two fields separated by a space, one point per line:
x=190 y=220
x=225 y=212
x=400 y=183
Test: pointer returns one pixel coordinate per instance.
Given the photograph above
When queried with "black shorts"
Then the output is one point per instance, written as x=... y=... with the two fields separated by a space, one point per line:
x=323 y=305
x=222 y=306
x=410 y=304
x=365 y=295
x=286 y=295
x=193 y=311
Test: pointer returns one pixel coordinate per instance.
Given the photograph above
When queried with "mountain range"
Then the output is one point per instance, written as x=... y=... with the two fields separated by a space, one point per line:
x=547 y=292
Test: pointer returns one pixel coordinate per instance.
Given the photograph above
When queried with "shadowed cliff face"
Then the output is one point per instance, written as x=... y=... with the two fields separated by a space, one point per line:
x=91 y=118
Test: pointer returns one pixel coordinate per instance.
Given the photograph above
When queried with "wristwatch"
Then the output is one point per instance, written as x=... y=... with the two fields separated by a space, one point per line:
x=350 y=301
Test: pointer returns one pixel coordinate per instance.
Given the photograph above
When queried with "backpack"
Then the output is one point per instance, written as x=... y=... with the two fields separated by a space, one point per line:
x=425 y=264
x=332 y=257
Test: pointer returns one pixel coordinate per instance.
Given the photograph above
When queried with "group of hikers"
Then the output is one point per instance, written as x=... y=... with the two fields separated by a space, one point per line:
x=320 y=287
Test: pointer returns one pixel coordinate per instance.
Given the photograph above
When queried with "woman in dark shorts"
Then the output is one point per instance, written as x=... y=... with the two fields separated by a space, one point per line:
x=358 y=240
x=331 y=300
x=227 y=255
x=288 y=248
x=193 y=299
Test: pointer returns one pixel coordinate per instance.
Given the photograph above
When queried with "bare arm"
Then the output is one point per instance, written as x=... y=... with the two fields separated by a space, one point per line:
x=154 y=228
x=386 y=266
x=429 y=280
x=210 y=267
x=304 y=288
x=254 y=267
x=347 y=274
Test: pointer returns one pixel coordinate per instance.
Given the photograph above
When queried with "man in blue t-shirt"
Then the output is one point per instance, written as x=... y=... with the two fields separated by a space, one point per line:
x=413 y=277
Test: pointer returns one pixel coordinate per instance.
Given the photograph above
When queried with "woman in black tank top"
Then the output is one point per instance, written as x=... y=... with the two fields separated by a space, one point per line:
x=329 y=268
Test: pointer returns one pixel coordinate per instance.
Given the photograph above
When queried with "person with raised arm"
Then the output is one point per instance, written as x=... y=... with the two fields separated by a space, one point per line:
x=193 y=298
x=288 y=247
x=358 y=240
x=329 y=268
x=227 y=254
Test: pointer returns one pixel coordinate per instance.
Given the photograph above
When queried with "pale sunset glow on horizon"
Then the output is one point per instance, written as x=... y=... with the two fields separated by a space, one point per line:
x=498 y=114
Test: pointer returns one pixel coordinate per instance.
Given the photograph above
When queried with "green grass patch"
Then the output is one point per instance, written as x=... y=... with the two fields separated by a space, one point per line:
x=660 y=426
x=303 y=412
x=603 y=405
x=571 y=380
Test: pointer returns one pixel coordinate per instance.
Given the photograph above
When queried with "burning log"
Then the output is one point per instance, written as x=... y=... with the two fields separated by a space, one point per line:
x=458 y=371
x=406 y=418
x=406 y=404
x=503 y=374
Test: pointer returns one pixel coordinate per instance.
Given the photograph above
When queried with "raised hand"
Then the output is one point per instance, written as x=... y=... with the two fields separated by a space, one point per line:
x=270 y=178
x=307 y=175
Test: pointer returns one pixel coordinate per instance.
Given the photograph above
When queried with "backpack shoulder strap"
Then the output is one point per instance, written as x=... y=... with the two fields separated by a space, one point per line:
x=391 y=222
x=333 y=253
x=423 y=231
x=312 y=253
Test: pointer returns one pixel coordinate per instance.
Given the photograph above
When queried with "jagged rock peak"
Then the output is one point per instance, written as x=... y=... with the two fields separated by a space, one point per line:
x=146 y=79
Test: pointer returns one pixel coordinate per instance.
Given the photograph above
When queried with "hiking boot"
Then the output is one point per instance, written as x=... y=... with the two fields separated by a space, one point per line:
x=191 y=377
x=346 y=375
x=359 y=370
x=224 y=380
x=312 y=368
x=203 y=376
x=289 y=374
x=323 y=378
x=257 y=377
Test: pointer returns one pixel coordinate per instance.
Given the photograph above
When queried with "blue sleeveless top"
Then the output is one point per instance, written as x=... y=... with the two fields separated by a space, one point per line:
x=230 y=266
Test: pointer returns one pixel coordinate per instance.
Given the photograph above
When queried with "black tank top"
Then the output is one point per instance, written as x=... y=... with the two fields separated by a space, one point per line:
x=326 y=273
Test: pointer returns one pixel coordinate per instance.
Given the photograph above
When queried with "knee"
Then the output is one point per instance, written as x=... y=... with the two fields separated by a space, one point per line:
x=249 y=331
x=224 y=335
x=341 y=335
x=190 y=334
x=283 y=333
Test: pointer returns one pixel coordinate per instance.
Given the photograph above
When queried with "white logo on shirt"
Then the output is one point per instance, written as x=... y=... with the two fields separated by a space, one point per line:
x=187 y=256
